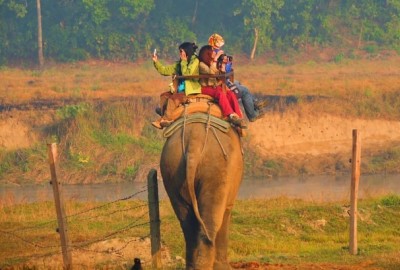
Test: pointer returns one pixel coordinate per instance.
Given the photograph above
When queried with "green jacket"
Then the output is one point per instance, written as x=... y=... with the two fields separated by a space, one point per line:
x=192 y=86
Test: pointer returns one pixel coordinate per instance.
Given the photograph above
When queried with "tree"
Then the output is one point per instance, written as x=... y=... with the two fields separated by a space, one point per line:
x=40 y=41
x=257 y=20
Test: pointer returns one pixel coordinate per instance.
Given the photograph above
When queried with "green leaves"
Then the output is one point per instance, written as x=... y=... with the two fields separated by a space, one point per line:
x=257 y=17
x=19 y=8
x=130 y=29
x=134 y=8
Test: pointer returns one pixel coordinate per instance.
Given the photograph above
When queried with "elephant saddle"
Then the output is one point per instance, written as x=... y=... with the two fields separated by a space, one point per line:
x=199 y=108
x=195 y=104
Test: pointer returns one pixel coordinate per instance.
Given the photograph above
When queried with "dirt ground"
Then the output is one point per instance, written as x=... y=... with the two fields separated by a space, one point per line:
x=291 y=134
x=118 y=251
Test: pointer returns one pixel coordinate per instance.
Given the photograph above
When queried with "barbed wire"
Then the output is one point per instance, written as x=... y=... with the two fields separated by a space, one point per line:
x=22 y=239
x=79 y=213
x=114 y=212
x=75 y=217
x=106 y=204
x=35 y=226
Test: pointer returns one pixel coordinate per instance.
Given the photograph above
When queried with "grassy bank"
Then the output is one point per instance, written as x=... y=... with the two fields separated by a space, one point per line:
x=277 y=231
x=102 y=142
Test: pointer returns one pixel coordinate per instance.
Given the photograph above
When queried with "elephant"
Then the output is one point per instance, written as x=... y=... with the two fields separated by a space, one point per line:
x=202 y=168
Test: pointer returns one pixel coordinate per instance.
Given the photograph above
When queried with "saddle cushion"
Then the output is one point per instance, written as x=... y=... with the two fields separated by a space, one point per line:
x=197 y=103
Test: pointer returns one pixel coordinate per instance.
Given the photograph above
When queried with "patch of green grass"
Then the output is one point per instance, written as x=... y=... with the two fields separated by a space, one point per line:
x=391 y=200
x=131 y=171
x=106 y=138
x=308 y=232
x=23 y=160
x=273 y=166
x=388 y=160
x=72 y=111
x=151 y=146
x=339 y=58
x=371 y=49
x=108 y=169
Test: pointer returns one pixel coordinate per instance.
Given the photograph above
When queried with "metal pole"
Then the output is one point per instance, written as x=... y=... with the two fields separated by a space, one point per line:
x=59 y=202
x=154 y=213
x=355 y=179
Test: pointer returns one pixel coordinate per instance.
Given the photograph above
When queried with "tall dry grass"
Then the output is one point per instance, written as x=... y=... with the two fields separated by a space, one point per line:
x=349 y=79
x=84 y=80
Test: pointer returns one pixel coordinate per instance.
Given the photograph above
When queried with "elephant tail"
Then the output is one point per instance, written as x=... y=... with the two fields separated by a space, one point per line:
x=191 y=166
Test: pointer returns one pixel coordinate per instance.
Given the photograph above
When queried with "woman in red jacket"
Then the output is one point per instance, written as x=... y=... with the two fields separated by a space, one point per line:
x=213 y=87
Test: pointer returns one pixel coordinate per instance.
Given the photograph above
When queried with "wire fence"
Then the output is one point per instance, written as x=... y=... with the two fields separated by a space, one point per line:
x=89 y=224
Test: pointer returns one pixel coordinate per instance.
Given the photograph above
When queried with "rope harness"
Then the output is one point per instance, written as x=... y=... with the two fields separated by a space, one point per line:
x=210 y=121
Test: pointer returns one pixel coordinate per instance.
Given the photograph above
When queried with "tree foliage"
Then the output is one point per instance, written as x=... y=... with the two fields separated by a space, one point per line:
x=130 y=29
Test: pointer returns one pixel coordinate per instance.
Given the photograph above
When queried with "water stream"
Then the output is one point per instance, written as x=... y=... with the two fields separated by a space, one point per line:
x=318 y=188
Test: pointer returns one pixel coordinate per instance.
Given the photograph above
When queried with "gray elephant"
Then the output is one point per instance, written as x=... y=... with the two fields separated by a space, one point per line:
x=202 y=168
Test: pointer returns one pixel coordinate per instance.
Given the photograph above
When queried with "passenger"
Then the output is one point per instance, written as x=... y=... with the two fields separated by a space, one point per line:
x=252 y=106
x=187 y=65
x=213 y=87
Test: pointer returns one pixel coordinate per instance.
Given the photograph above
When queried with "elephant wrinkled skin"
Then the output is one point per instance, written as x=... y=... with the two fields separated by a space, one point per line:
x=202 y=184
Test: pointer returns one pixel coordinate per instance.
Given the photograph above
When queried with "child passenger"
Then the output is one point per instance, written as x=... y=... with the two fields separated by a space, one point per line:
x=252 y=106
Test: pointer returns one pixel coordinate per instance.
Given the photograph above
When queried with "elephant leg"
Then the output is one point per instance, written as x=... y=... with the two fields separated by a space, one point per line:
x=205 y=255
x=189 y=225
x=212 y=209
x=190 y=228
x=221 y=244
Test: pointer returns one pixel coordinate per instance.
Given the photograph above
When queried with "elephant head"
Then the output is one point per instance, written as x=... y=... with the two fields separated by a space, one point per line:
x=202 y=168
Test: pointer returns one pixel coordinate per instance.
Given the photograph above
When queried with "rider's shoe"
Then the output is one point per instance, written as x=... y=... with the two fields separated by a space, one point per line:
x=236 y=120
x=260 y=114
x=259 y=104
x=157 y=124
x=165 y=122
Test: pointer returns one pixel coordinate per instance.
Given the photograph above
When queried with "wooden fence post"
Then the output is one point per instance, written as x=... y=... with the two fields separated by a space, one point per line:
x=154 y=213
x=355 y=179
x=59 y=202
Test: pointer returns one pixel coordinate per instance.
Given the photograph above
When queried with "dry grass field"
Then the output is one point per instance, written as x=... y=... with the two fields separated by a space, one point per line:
x=347 y=79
